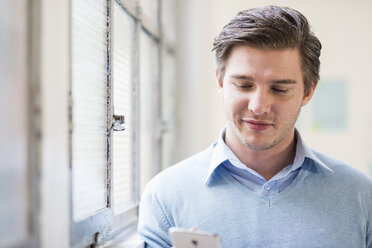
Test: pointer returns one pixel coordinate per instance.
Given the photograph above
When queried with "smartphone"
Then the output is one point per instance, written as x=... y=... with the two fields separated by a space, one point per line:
x=182 y=238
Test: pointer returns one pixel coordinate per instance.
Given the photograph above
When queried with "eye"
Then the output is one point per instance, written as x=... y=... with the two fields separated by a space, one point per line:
x=279 y=90
x=243 y=86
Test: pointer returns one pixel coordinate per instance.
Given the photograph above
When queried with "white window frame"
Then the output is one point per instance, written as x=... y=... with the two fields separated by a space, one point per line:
x=104 y=226
x=35 y=129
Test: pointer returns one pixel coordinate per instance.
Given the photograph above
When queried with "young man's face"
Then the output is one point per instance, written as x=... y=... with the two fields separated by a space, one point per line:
x=263 y=92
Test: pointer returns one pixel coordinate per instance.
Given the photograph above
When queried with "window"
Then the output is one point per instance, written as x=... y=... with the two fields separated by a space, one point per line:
x=89 y=108
x=168 y=94
x=124 y=96
x=110 y=134
x=168 y=108
x=117 y=131
x=149 y=107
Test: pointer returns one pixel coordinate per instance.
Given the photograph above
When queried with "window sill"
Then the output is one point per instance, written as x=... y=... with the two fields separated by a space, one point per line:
x=130 y=240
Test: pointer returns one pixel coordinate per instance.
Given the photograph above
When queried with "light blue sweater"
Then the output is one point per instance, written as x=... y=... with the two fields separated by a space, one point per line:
x=323 y=207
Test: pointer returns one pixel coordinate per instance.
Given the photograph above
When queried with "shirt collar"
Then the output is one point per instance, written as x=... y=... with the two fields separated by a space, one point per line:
x=308 y=153
x=221 y=153
x=218 y=155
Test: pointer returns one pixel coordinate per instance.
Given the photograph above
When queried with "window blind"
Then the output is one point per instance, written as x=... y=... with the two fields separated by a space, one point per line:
x=149 y=88
x=168 y=107
x=89 y=107
x=124 y=31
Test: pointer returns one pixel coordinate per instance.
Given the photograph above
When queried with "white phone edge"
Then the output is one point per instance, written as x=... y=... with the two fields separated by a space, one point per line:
x=201 y=236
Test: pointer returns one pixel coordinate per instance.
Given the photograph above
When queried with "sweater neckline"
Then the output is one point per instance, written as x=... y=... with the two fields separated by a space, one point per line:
x=225 y=175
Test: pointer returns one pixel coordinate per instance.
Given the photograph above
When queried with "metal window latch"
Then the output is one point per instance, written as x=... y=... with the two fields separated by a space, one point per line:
x=118 y=122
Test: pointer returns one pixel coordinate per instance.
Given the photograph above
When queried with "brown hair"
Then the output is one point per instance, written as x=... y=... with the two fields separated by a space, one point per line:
x=271 y=27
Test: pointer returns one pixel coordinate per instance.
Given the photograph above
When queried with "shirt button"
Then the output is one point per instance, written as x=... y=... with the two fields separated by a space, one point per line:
x=267 y=186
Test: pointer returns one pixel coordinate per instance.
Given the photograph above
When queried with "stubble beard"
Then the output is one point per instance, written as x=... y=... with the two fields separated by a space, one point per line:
x=270 y=144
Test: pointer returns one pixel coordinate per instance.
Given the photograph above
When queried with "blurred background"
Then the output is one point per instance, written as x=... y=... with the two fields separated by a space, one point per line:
x=71 y=70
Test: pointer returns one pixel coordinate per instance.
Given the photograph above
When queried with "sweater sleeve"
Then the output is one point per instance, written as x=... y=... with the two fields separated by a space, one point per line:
x=369 y=232
x=153 y=225
x=368 y=208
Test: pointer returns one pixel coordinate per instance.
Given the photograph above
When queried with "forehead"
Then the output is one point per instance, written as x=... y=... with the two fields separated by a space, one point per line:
x=264 y=63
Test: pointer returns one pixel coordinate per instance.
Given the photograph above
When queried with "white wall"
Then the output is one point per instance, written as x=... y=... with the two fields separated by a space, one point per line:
x=344 y=30
x=55 y=79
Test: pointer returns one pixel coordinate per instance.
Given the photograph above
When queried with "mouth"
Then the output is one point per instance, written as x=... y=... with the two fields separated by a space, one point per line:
x=258 y=125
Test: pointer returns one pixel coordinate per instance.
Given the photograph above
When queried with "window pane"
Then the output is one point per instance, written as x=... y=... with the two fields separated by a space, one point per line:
x=149 y=10
x=169 y=20
x=14 y=183
x=123 y=97
x=89 y=93
x=149 y=114
x=168 y=106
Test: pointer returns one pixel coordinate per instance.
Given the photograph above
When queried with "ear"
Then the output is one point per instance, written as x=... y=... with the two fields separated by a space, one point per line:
x=219 y=81
x=309 y=94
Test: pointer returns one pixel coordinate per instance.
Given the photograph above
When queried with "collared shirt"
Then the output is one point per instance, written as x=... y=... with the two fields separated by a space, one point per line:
x=222 y=155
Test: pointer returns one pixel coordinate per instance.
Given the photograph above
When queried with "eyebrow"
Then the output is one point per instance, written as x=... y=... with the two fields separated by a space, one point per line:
x=284 y=81
x=249 y=78
x=243 y=77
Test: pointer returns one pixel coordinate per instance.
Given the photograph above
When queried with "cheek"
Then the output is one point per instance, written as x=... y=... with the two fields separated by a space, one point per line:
x=288 y=110
x=236 y=104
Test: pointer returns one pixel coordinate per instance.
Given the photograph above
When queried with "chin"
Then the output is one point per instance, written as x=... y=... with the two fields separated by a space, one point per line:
x=259 y=147
x=255 y=142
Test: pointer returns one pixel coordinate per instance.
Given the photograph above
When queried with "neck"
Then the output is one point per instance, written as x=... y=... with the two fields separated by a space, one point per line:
x=266 y=162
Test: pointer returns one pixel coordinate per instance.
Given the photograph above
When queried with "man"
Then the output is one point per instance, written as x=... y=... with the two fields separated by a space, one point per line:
x=259 y=185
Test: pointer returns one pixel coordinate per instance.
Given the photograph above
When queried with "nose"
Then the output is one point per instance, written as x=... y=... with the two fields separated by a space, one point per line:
x=260 y=102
